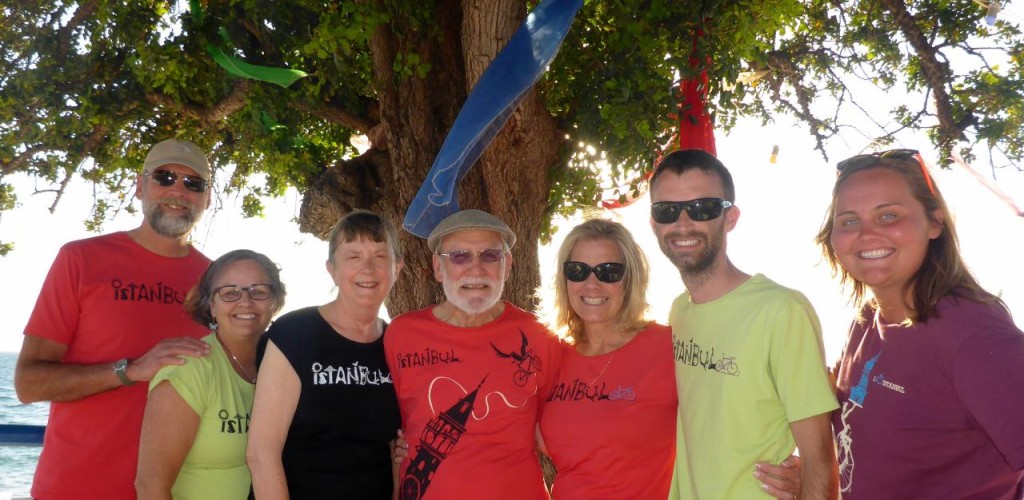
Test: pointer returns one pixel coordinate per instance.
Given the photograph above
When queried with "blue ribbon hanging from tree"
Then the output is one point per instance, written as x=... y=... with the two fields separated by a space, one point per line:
x=491 y=102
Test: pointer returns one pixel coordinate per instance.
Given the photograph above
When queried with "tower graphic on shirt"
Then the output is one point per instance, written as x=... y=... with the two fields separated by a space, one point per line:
x=437 y=440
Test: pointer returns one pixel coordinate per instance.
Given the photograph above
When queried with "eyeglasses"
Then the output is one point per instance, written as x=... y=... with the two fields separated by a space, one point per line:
x=233 y=293
x=867 y=160
x=699 y=210
x=167 y=178
x=608 y=272
x=464 y=257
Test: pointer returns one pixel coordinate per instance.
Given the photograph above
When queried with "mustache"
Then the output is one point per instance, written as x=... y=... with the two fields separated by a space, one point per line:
x=474 y=280
x=675 y=235
x=177 y=201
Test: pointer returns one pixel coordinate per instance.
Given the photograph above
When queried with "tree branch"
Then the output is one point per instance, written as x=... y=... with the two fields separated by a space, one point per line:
x=935 y=73
x=208 y=115
x=787 y=71
x=337 y=115
x=7 y=167
x=64 y=33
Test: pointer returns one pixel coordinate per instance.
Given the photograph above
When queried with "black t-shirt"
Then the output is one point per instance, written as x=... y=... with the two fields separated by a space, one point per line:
x=337 y=445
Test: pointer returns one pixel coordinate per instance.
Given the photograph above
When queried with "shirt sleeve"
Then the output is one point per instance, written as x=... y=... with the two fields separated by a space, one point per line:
x=797 y=362
x=188 y=380
x=552 y=362
x=55 y=315
x=988 y=374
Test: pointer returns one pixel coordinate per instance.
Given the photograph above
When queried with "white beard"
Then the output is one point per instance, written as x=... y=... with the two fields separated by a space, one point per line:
x=472 y=305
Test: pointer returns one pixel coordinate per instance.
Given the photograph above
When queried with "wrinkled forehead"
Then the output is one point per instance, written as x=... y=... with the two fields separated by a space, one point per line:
x=470 y=239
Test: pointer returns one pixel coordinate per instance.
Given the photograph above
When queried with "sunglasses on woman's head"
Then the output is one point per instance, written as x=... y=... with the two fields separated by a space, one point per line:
x=166 y=178
x=608 y=272
x=867 y=160
x=699 y=210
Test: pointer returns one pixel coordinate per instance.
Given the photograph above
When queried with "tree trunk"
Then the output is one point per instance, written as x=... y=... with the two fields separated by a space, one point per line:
x=510 y=180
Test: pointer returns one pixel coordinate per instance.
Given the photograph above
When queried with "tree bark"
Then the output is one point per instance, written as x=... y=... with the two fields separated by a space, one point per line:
x=511 y=178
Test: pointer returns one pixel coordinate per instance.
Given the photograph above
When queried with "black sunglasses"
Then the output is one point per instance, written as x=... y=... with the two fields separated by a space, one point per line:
x=870 y=159
x=608 y=272
x=167 y=178
x=699 y=210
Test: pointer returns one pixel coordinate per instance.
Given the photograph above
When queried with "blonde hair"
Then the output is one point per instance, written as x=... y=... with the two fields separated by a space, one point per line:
x=634 y=305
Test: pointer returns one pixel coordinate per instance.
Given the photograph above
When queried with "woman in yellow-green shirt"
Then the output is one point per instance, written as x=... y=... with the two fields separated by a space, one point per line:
x=197 y=416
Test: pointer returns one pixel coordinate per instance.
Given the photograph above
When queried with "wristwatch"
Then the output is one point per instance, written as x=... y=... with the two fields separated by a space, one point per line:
x=121 y=370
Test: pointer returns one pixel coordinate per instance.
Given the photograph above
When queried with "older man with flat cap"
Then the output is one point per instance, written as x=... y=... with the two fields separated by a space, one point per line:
x=469 y=373
x=110 y=314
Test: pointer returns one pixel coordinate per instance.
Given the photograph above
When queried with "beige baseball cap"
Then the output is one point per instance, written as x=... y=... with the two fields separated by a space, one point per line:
x=185 y=153
x=469 y=219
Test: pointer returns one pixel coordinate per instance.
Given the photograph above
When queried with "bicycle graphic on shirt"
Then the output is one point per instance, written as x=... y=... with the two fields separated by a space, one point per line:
x=727 y=366
x=622 y=393
x=526 y=362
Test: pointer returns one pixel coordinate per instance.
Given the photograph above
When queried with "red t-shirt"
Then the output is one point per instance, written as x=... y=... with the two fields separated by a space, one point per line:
x=609 y=421
x=106 y=298
x=469 y=400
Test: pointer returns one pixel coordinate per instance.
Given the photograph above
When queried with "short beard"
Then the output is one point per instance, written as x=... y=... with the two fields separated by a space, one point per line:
x=166 y=224
x=696 y=269
x=475 y=305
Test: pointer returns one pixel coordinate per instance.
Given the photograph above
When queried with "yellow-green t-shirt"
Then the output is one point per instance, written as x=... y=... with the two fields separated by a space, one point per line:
x=215 y=466
x=747 y=364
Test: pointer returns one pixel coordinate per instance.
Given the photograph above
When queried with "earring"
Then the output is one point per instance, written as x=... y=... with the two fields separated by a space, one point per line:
x=213 y=326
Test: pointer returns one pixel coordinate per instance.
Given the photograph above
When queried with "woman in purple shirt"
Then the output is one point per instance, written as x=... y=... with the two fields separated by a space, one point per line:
x=931 y=382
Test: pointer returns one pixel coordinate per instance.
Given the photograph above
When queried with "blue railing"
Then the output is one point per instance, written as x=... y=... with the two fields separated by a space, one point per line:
x=21 y=435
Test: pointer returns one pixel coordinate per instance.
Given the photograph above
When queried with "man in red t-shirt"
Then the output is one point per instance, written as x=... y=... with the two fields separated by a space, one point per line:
x=110 y=314
x=468 y=373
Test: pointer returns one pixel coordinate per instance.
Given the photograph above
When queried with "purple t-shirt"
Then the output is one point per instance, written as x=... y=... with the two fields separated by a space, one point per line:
x=934 y=410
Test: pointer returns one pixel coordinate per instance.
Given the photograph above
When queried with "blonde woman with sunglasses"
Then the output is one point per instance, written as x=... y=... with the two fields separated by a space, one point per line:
x=608 y=424
x=931 y=381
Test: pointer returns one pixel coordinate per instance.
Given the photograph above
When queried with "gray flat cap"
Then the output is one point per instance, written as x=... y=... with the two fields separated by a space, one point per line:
x=469 y=219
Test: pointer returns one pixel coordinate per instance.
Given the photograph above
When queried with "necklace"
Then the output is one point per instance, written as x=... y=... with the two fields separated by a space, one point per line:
x=599 y=375
x=244 y=373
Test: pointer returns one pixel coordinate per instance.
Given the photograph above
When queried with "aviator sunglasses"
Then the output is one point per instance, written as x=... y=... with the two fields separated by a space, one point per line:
x=464 y=257
x=699 y=210
x=867 y=160
x=167 y=178
x=608 y=272
x=233 y=293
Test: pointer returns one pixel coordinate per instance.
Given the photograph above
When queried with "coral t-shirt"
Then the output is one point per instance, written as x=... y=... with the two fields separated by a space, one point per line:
x=106 y=298
x=469 y=399
x=609 y=421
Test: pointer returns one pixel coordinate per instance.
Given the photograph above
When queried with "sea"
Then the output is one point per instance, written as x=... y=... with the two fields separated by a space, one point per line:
x=17 y=463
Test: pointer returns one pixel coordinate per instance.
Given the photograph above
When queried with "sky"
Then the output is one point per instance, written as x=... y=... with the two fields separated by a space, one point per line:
x=782 y=206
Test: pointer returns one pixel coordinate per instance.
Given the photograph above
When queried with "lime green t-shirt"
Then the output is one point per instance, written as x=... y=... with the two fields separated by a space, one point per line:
x=747 y=364
x=215 y=466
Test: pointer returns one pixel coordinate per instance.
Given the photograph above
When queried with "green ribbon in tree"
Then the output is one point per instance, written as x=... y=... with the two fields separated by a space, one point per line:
x=237 y=67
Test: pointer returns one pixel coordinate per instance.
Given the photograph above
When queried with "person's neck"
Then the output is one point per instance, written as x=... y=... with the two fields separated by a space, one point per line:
x=166 y=246
x=356 y=323
x=714 y=283
x=892 y=308
x=602 y=339
x=448 y=313
x=241 y=352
